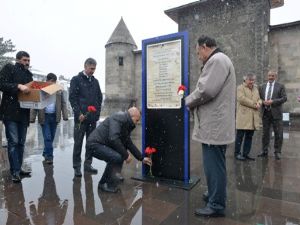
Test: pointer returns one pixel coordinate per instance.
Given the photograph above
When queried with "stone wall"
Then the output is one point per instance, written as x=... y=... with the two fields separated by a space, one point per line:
x=240 y=28
x=138 y=78
x=284 y=44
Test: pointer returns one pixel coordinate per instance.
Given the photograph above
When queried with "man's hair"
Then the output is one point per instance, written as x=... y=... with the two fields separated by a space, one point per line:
x=90 y=61
x=249 y=76
x=21 y=54
x=273 y=71
x=208 y=41
x=51 y=76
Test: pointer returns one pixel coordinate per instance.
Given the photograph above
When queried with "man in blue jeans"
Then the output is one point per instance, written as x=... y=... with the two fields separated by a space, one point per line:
x=15 y=119
x=213 y=105
x=49 y=117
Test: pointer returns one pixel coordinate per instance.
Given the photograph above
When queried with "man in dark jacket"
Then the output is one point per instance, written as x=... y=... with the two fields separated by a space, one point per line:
x=273 y=95
x=84 y=92
x=15 y=119
x=110 y=142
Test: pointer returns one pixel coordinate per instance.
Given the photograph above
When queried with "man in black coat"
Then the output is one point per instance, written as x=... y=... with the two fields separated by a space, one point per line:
x=15 y=118
x=84 y=92
x=110 y=142
x=273 y=95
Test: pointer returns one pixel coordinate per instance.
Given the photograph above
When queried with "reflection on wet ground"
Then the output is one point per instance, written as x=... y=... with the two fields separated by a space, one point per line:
x=262 y=192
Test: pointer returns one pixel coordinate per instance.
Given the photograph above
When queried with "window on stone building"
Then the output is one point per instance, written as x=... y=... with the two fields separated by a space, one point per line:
x=121 y=61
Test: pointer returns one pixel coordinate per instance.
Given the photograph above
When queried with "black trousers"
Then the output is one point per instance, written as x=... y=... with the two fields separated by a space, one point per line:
x=81 y=129
x=113 y=159
x=277 y=125
x=246 y=136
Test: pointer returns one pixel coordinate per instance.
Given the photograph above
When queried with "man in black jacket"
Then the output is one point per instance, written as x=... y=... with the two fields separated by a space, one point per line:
x=84 y=92
x=273 y=95
x=110 y=142
x=15 y=119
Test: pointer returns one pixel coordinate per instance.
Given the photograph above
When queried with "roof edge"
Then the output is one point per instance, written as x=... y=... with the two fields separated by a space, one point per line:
x=285 y=25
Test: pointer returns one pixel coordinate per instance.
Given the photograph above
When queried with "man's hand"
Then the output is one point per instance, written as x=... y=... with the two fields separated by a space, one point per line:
x=23 y=88
x=268 y=102
x=257 y=105
x=147 y=161
x=81 y=118
x=129 y=159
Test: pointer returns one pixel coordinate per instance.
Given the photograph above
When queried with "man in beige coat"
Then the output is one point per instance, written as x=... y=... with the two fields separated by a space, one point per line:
x=213 y=104
x=247 y=116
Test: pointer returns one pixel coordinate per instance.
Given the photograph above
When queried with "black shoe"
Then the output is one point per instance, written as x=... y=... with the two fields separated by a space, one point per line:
x=240 y=157
x=108 y=188
x=205 y=196
x=249 y=158
x=209 y=212
x=263 y=154
x=90 y=169
x=277 y=156
x=77 y=172
x=24 y=173
x=16 y=178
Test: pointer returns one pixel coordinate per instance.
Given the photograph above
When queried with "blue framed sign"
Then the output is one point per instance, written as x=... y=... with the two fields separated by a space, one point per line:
x=165 y=119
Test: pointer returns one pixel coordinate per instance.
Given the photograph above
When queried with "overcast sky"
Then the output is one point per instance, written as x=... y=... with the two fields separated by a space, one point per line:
x=60 y=34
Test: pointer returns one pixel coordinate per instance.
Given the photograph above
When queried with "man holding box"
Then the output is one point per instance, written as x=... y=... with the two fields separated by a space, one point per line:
x=16 y=119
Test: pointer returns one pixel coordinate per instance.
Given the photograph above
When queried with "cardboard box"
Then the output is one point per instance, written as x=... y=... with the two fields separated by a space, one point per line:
x=41 y=94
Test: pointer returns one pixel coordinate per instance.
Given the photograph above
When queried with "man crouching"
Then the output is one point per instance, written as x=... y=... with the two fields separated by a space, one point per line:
x=110 y=142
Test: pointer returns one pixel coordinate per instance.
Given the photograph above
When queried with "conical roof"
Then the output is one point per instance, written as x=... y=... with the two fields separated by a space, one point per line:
x=121 y=34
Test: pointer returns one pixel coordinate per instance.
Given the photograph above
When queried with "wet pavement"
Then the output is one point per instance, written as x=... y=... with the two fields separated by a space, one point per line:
x=262 y=192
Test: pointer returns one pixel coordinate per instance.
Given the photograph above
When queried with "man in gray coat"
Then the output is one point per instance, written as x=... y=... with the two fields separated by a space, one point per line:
x=213 y=105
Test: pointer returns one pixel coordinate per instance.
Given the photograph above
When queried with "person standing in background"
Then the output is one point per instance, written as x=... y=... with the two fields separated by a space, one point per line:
x=247 y=116
x=274 y=96
x=84 y=92
x=49 y=117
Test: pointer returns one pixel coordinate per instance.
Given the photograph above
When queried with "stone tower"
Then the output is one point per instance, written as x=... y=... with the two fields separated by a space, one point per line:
x=119 y=70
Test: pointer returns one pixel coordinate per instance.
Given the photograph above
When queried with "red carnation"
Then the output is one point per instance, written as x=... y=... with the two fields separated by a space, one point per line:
x=38 y=85
x=90 y=109
x=181 y=90
x=149 y=151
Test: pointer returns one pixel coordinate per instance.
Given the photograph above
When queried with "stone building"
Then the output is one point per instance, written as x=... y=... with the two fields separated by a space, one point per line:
x=242 y=30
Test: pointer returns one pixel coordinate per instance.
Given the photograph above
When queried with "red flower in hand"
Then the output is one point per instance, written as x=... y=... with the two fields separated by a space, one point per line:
x=181 y=90
x=149 y=151
x=90 y=109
